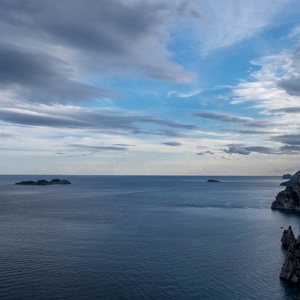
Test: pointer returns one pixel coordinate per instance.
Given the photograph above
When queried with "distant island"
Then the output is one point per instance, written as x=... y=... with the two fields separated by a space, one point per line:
x=44 y=182
x=213 y=180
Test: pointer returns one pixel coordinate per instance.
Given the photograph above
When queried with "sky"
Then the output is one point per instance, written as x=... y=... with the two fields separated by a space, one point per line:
x=150 y=87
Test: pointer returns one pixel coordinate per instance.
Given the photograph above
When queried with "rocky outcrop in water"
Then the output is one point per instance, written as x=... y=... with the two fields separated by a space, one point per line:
x=287 y=176
x=290 y=270
x=288 y=237
x=213 y=180
x=289 y=199
x=44 y=182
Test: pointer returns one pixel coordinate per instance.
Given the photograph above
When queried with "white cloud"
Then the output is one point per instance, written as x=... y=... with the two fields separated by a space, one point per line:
x=225 y=23
x=187 y=94
x=295 y=32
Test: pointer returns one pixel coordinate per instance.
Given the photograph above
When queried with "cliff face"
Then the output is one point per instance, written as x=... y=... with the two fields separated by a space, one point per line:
x=290 y=197
x=290 y=270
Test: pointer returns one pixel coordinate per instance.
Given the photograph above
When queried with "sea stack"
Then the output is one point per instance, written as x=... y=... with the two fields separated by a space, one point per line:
x=290 y=270
x=288 y=237
x=289 y=199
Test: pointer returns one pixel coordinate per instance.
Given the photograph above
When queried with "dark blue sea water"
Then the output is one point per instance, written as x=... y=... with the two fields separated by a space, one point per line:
x=142 y=237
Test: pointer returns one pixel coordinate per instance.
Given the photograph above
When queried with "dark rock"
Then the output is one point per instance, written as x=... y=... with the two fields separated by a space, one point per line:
x=287 y=176
x=288 y=237
x=212 y=180
x=289 y=199
x=59 y=181
x=44 y=182
x=29 y=182
x=290 y=270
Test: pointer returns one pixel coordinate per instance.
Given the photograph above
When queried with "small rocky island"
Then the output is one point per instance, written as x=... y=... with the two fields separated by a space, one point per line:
x=213 y=180
x=44 y=182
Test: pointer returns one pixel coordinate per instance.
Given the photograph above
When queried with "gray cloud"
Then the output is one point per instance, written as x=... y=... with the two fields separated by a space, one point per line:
x=227 y=118
x=236 y=149
x=291 y=143
x=290 y=149
x=261 y=149
x=292 y=84
x=81 y=155
x=240 y=149
x=47 y=50
x=287 y=110
x=173 y=144
x=245 y=131
x=39 y=77
x=169 y=133
x=123 y=145
x=113 y=122
x=205 y=152
x=6 y=136
x=189 y=7
x=289 y=139
x=97 y=148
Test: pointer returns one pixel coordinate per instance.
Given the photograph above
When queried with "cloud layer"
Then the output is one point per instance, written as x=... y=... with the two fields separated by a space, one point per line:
x=103 y=79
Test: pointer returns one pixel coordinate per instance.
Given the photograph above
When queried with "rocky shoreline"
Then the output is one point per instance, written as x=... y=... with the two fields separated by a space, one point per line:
x=289 y=200
x=290 y=270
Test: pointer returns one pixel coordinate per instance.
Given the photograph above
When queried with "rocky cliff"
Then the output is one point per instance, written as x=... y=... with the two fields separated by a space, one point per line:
x=290 y=270
x=289 y=199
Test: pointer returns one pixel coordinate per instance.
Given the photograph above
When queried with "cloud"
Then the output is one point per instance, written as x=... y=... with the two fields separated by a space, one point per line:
x=286 y=110
x=190 y=8
x=6 y=136
x=38 y=77
x=48 y=54
x=97 y=148
x=123 y=145
x=290 y=149
x=225 y=23
x=289 y=139
x=295 y=32
x=236 y=149
x=246 y=132
x=81 y=155
x=173 y=144
x=205 y=152
x=291 y=80
x=228 y=118
x=106 y=120
x=261 y=149
x=273 y=87
x=272 y=90
x=188 y=94
x=169 y=133
x=242 y=150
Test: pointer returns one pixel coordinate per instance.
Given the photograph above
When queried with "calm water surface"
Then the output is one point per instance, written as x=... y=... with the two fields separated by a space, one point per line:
x=140 y=237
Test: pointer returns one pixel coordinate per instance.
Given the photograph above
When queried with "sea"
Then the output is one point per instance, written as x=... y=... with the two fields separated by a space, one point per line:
x=143 y=237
